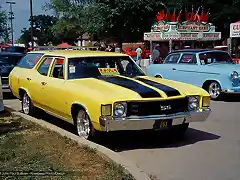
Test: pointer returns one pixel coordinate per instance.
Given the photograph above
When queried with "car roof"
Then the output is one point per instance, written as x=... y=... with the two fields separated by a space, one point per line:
x=196 y=51
x=77 y=53
x=11 y=54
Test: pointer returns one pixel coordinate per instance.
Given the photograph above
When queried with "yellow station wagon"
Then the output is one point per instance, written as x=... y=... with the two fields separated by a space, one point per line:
x=104 y=91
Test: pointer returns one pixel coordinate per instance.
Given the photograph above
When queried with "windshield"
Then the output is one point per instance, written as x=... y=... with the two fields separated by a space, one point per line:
x=88 y=67
x=215 y=57
x=9 y=60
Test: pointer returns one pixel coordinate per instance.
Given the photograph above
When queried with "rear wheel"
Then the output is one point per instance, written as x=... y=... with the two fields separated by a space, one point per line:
x=84 y=127
x=158 y=76
x=215 y=90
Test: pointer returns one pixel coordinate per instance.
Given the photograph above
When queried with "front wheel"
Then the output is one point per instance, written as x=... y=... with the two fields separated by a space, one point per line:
x=215 y=90
x=84 y=127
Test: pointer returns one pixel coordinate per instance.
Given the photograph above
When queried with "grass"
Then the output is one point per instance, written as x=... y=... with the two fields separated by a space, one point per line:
x=39 y=153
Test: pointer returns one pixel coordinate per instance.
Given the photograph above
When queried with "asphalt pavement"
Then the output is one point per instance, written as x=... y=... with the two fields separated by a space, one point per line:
x=209 y=150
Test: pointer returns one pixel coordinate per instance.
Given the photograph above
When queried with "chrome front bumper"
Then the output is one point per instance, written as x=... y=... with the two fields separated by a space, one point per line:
x=148 y=122
x=232 y=91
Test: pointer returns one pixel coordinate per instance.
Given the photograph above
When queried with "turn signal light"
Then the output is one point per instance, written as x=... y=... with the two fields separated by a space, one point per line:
x=106 y=110
x=206 y=101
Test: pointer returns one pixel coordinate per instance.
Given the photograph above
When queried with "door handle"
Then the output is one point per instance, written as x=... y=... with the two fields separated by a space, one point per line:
x=174 y=69
x=43 y=83
x=29 y=79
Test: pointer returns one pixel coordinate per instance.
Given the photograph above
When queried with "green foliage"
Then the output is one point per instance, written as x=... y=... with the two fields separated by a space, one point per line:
x=72 y=22
x=42 y=30
x=4 y=32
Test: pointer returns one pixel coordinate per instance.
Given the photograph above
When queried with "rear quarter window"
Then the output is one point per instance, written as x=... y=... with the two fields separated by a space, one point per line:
x=30 y=60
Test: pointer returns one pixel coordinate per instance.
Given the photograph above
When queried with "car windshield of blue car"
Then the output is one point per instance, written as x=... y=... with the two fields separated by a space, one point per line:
x=215 y=57
x=9 y=60
x=92 y=67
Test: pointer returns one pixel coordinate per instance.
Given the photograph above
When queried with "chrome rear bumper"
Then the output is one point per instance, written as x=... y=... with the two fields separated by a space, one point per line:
x=148 y=122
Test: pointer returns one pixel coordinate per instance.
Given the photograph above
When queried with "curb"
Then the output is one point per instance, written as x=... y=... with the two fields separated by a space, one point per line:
x=136 y=172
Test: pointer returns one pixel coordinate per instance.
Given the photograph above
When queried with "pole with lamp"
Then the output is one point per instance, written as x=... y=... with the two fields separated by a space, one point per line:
x=31 y=17
x=11 y=18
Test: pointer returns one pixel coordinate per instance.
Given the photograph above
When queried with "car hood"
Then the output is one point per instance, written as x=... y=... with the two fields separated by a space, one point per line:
x=223 y=68
x=121 y=88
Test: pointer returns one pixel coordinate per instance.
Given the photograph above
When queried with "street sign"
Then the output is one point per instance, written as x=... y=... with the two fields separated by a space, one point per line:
x=235 y=30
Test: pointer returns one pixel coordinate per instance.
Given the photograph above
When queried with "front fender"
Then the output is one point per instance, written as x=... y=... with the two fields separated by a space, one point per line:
x=223 y=80
x=93 y=109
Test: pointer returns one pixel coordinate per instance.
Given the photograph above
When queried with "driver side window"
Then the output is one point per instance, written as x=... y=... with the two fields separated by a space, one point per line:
x=188 y=59
x=44 y=67
x=172 y=59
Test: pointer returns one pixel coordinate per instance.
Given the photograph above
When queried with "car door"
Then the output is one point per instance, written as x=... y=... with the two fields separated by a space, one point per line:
x=38 y=81
x=186 y=69
x=54 y=91
x=168 y=68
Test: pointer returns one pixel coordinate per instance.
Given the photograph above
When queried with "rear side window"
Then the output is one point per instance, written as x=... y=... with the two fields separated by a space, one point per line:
x=30 y=60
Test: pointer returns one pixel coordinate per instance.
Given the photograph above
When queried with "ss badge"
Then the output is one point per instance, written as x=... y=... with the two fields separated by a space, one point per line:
x=165 y=108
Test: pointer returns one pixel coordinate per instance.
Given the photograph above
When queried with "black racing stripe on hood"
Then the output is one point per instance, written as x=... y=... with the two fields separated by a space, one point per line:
x=143 y=91
x=169 y=91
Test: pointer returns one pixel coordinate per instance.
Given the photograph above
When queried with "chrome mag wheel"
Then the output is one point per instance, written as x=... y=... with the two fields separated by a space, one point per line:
x=26 y=104
x=214 y=90
x=83 y=124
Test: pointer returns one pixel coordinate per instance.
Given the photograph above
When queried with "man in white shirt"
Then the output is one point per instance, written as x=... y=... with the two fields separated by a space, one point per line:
x=139 y=53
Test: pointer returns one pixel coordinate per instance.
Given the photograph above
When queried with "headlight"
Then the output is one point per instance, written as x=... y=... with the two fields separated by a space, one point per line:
x=193 y=103
x=234 y=75
x=120 y=109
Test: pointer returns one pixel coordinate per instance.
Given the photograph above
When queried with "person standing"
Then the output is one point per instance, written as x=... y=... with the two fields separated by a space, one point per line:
x=139 y=54
x=155 y=55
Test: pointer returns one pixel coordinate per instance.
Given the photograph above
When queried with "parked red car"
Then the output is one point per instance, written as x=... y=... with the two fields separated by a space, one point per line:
x=132 y=52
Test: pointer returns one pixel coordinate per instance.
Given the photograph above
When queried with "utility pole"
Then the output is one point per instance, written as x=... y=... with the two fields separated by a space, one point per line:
x=31 y=17
x=11 y=18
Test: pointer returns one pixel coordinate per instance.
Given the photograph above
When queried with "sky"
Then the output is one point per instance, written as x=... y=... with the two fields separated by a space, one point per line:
x=21 y=12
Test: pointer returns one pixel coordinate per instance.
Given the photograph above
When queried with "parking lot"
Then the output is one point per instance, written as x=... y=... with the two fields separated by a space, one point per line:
x=208 y=151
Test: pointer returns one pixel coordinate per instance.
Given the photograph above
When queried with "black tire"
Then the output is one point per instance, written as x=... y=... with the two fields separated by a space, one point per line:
x=31 y=109
x=93 y=134
x=215 y=90
x=180 y=129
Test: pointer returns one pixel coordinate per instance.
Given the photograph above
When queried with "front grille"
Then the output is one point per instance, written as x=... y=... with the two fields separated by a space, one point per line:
x=154 y=107
x=4 y=80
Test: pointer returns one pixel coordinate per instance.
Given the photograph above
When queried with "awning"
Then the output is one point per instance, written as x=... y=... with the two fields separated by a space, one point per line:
x=4 y=45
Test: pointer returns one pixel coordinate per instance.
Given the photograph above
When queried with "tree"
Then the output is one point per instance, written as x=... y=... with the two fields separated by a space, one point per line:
x=42 y=30
x=72 y=19
x=4 y=31
x=125 y=20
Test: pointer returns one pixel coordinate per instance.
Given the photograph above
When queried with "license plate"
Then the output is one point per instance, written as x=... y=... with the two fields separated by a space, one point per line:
x=161 y=124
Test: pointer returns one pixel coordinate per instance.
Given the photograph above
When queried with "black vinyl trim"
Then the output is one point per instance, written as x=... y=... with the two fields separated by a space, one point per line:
x=143 y=91
x=169 y=91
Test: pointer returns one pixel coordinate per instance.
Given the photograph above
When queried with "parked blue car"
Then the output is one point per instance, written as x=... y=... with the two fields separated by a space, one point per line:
x=213 y=70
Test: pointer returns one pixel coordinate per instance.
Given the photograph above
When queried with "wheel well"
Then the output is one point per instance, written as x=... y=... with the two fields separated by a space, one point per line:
x=21 y=93
x=207 y=83
x=75 y=109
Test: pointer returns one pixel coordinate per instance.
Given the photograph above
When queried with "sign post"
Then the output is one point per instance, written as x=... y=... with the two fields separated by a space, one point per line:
x=235 y=30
